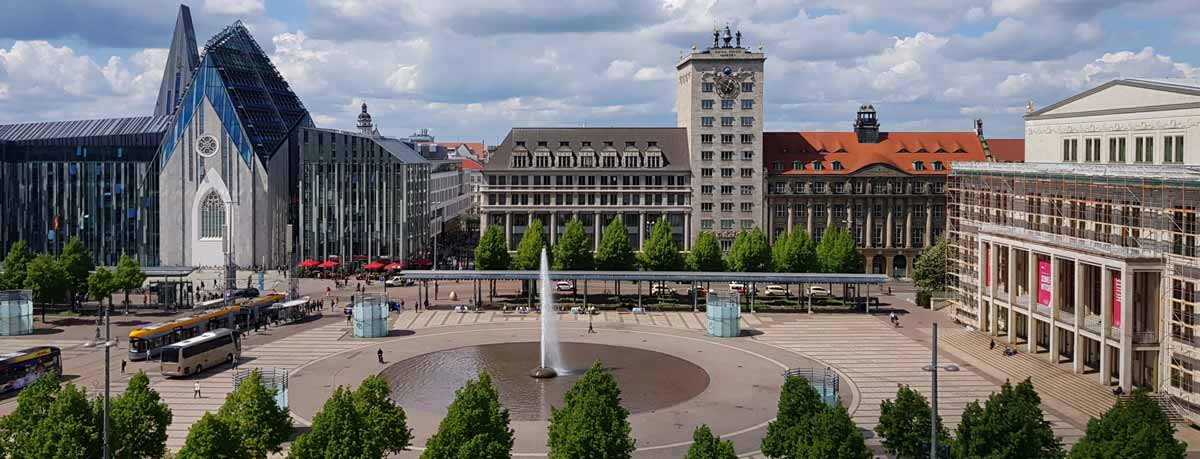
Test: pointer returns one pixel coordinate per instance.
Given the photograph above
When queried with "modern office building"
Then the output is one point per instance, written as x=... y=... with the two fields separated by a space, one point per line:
x=886 y=188
x=719 y=102
x=449 y=195
x=593 y=174
x=1087 y=253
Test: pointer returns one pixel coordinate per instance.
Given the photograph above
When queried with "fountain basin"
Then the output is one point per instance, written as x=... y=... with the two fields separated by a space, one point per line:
x=543 y=373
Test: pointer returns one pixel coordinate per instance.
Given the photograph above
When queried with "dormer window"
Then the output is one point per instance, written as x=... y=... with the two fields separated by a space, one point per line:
x=837 y=165
x=520 y=143
x=608 y=143
x=651 y=144
x=587 y=144
x=818 y=166
x=629 y=144
x=797 y=165
x=542 y=143
x=918 y=165
x=564 y=144
x=939 y=166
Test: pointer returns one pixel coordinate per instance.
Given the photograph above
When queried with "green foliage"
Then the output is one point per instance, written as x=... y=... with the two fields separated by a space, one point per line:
x=529 y=251
x=15 y=266
x=129 y=275
x=904 y=425
x=799 y=404
x=833 y=436
x=211 y=438
x=76 y=260
x=101 y=285
x=138 y=421
x=475 y=426
x=929 y=271
x=573 y=251
x=492 y=252
x=794 y=253
x=1010 y=425
x=592 y=424
x=706 y=254
x=47 y=279
x=615 y=254
x=660 y=252
x=750 y=253
x=1134 y=428
x=260 y=424
x=837 y=253
x=362 y=424
x=52 y=420
x=707 y=446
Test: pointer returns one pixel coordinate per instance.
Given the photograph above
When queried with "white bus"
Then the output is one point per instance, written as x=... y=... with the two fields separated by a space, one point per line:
x=193 y=355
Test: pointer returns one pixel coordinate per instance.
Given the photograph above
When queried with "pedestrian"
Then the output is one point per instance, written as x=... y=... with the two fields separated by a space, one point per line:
x=380 y=354
x=196 y=390
x=892 y=318
x=992 y=346
x=97 y=333
x=122 y=366
x=402 y=304
x=590 y=328
x=347 y=317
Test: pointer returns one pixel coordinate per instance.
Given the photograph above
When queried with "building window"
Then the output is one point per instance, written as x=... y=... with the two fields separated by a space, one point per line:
x=1091 y=150
x=780 y=188
x=706 y=104
x=1143 y=149
x=706 y=121
x=726 y=121
x=1070 y=151
x=726 y=172
x=706 y=87
x=918 y=165
x=747 y=207
x=726 y=156
x=727 y=224
x=1173 y=149
x=727 y=104
x=706 y=155
x=797 y=165
x=747 y=138
x=839 y=187
x=726 y=138
x=747 y=104
x=747 y=155
x=747 y=172
x=706 y=224
x=212 y=217
x=747 y=121
x=726 y=207
x=706 y=138
x=706 y=189
x=939 y=166
x=726 y=190
x=747 y=190
x=706 y=172
x=1116 y=150
x=747 y=87
x=777 y=165
x=837 y=165
x=818 y=166
x=747 y=224
x=818 y=187
x=706 y=207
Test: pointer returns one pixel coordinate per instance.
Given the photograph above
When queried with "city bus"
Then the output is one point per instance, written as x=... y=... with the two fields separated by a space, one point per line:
x=193 y=355
x=255 y=309
x=210 y=304
x=291 y=311
x=145 y=342
x=21 y=368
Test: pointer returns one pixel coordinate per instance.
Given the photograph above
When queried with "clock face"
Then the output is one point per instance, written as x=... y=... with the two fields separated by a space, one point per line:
x=727 y=70
x=727 y=88
x=207 y=146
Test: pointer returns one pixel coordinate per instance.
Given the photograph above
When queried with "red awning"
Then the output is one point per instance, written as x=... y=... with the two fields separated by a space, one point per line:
x=394 y=266
x=422 y=262
x=328 y=264
x=372 y=266
x=309 y=264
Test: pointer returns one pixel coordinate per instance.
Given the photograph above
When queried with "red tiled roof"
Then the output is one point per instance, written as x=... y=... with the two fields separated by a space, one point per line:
x=475 y=147
x=896 y=149
x=1007 y=150
x=470 y=164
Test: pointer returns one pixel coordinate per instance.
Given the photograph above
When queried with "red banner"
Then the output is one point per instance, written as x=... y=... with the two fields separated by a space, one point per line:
x=987 y=265
x=1116 y=299
x=1044 y=281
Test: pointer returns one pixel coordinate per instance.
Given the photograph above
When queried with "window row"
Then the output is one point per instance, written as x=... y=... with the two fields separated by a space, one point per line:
x=587 y=180
x=707 y=155
x=726 y=104
x=726 y=139
x=585 y=160
x=1143 y=150
x=727 y=190
x=587 y=199
x=727 y=172
x=778 y=166
x=858 y=187
x=727 y=224
x=708 y=86
x=726 y=121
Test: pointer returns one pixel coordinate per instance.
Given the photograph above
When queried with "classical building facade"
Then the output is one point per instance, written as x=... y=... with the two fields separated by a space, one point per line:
x=719 y=103
x=593 y=174
x=886 y=188
x=1087 y=253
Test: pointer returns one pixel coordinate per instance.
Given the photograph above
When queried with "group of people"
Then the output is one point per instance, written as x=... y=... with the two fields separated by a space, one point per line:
x=1008 y=350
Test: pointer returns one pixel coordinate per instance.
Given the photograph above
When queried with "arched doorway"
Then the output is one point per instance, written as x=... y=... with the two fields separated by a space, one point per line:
x=899 y=266
x=878 y=263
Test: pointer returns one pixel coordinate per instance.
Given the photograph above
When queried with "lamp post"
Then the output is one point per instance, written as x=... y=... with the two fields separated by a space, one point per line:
x=933 y=368
x=108 y=343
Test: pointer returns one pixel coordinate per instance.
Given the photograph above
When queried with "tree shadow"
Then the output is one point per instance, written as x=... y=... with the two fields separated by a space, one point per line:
x=396 y=333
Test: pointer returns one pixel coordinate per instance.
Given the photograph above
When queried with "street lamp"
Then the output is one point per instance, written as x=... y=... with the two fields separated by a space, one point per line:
x=108 y=343
x=933 y=368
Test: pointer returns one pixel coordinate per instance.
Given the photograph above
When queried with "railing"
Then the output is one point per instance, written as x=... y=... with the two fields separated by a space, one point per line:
x=1114 y=332
x=1092 y=323
x=1023 y=300
x=824 y=380
x=1145 y=337
x=1068 y=317
x=1043 y=310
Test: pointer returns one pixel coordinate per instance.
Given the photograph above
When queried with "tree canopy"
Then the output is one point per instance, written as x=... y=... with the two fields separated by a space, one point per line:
x=492 y=252
x=833 y=435
x=77 y=262
x=616 y=253
x=837 y=252
x=660 y=252
x=15 y=266
x=129 y=275
x=707 y=446
x=750 y=253
x=799 y=404
x=47 y=279
x=101 y=285
x=794 y=253
x=929 y=271
x=475 y=426
x=211 y=438
x=706 y=254
x=360 y=424
x=529 y=251
x=1010 y=425
x=592 y=424
x=260 y=423
x=904 y=425
x=138 y=421
x=573 y=251
x=1134 y=428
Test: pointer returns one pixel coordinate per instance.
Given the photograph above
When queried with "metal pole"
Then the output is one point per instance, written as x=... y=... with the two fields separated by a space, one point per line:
x=933 y=422
x=107 y=339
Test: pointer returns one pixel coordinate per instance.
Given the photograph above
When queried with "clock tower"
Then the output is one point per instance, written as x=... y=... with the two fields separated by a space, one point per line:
x=720 y=103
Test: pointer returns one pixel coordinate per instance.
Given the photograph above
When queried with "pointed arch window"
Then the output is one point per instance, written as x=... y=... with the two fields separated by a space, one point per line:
x=212 y=216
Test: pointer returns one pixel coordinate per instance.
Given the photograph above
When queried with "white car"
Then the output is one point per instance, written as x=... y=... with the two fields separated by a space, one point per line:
x=396 y=281
x=563 y=286
x=737 y=287
x=662 y=290
x=818 y=290
x=776 y=290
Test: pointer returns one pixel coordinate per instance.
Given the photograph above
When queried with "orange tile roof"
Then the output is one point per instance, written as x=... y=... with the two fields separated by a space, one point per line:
x=471 y=164
x=895 y=149
x=1007 y=150
x=475 y=147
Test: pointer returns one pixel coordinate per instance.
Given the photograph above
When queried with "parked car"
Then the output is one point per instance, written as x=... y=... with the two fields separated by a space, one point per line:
x=818 y=290
x=776 y=290
x=662 y=290
x=564 y=286
x=699 y=290
x=740 y=288
x=397 y=281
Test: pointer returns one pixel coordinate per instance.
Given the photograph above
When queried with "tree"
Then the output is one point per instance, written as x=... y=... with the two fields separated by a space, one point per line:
x=138 y=421
x=592 y=423
x=211 y=438
x=833 y=436
x=52 y=420
x=750 y=253
x=492 y=254
x=260 y=423
x=904 y=425
x=101 y=285
x=794 y=253
x=707 y=446
x=573 y=251
x=362 y=424
x=1134 y=428
x=47 y=279
x=615 y=252
x=837 y=252
x=1010 y=425
x=529 y=250
x=799 y=404
x=76 y=260
x=475 y=426
x=929 y=271
x=128 y=276
x=15 y=266
x=706 y=254
x=660 y=252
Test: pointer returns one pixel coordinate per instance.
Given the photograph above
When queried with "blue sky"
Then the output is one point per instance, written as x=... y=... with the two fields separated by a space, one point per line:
x=472 y=69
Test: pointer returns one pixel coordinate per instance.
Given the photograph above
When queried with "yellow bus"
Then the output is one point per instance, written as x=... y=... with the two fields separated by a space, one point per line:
x=21 y=368
x=255 y=309
x=193 y=355
x=145 y=342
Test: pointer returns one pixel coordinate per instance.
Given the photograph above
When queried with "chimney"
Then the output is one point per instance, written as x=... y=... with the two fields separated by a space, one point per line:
x=866 y=125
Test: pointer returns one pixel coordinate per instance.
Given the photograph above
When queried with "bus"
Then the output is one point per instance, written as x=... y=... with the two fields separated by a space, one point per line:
x=256 y=309
x=291 y=311
x=193 y=355
x=22 y=368
x=145 y=342
x=210 y=304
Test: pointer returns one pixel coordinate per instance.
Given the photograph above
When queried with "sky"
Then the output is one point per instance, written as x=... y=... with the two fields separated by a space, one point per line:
x=471 y=70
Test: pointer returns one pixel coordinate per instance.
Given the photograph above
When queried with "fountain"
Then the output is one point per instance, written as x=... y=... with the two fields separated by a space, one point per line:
x=550 y=364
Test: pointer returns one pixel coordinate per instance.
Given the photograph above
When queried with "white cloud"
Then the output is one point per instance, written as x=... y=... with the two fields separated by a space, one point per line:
x=234 y=7
x=619 y=69
x=651 y=74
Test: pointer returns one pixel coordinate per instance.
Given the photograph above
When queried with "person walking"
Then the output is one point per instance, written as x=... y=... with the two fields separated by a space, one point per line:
x=590 y=328
x=196 y=390
x=992 y=346
x=380 y=354
x=122 y=366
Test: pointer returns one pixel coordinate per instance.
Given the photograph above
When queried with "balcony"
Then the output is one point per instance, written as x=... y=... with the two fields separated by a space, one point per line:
x=1092 y=323
x=1023 y=300
x=1066 y=316
x=1043 y=310
x=1145 y=337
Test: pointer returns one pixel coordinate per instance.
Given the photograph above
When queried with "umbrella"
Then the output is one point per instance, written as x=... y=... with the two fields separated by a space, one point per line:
x=372 y=266
x=309 y=264
x=328 y=264
x=394 y=266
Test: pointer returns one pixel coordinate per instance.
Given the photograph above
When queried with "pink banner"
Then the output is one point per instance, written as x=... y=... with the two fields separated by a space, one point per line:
x=1116 y=299
x=1044 y=280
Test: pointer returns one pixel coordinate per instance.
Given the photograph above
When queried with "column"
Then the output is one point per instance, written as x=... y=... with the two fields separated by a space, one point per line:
x=553 y=228
x=887 y=226
x=1031 y=266
x=993 y=327
x=483 y=223
x=1055 y=304
x=508 y=230
x=869 y=230
x=771 y=223
x=1106 y=283
x=828 y=214
x=810 y=217
x=687 y=231
x=596 y=233
x=1080 y=311
x=1012 y=274
x=929 y=226
x=907 y=224
x=642 y=230
x=791 y=214
x=1125 y=370
x=887 y=268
